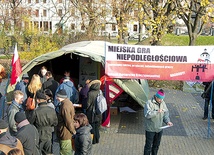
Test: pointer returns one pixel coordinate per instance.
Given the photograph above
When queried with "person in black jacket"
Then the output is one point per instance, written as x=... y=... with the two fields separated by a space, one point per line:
x=30 y=141
x=44 y=118
x=207 y=95
x=94 y=120
x=50 y=83
x=83 y=141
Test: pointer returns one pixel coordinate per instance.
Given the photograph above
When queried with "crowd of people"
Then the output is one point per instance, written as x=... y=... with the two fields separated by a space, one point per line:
x=43 y=109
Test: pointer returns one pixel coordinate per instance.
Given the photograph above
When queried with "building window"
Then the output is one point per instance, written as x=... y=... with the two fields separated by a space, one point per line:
x=135 y=28
x=60 y=1
x=44 y=13
x=113 y=27
x=40 y=24
x=103 y=27
x=44 y=1
x=36 y=24
x=37 y=1
x=60 y=12
x=29 y=1
x=37 y=13
x=50 y=25
x=72 y=26
x=45 y=26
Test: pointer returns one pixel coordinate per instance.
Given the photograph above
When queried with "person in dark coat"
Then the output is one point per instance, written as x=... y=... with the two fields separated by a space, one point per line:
x=44 y=118
x=94 y=120
x=8 y=142
x=65 y=127
x=30 y=141
x=50 y=83
x=83 y=141
x=83 y=95
x=207 y=92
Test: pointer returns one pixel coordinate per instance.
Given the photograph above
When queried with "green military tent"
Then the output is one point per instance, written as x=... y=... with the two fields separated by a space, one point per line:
x=69 y=55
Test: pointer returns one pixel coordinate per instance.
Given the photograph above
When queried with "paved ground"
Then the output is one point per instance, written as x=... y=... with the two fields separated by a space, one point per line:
x=188 y=136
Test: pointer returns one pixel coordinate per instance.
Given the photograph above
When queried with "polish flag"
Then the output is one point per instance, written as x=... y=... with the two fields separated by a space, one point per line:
x=16 y=67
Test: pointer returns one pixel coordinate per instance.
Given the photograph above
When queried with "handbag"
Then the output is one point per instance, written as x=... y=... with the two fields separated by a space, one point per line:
x=30 y=103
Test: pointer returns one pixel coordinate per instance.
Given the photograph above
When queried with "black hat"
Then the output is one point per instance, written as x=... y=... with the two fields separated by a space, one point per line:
x=3 y=124
x=19 y=117
x=40 y=95
x=61 y=93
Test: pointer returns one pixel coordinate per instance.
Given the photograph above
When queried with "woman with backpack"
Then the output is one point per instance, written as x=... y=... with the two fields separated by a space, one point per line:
x=94 y=119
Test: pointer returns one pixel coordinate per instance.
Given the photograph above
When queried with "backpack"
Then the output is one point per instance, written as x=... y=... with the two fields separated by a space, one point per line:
x=101 y=104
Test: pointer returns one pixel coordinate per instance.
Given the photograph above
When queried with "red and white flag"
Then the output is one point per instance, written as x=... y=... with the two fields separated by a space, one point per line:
x=16 y=67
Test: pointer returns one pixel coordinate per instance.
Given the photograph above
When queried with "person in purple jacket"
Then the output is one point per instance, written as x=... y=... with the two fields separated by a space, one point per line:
x=83 y=95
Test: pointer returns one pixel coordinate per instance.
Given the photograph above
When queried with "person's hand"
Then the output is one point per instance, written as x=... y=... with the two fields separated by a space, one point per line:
x=160 y=110
x=170 y=123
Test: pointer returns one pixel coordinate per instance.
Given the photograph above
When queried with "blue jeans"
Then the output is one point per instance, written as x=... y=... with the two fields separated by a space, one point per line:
x=153 y=140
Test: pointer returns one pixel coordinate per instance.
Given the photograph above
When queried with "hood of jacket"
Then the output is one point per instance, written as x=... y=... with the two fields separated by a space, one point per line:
x=94 y=85
x=84 y=130
x=7 y=139
x=68 y=83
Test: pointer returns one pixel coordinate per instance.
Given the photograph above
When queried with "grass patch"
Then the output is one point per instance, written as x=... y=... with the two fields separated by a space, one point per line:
x=6 y=57
x=183 y=40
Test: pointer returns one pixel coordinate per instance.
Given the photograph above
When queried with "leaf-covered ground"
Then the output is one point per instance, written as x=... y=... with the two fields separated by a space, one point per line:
x=178 y=85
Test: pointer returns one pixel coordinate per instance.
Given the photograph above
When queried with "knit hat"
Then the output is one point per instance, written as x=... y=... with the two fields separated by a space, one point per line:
x=3 y=124
x=25 y=76
x=40 y=95
x=160 y=94
x=19 y=117
x=61 y=93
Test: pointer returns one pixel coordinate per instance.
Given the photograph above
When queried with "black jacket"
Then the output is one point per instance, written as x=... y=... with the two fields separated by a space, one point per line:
x=207 y=90
x=50 y=84
x=94 y=88
x=44 y=119
x=83 y=141
x=29 y=137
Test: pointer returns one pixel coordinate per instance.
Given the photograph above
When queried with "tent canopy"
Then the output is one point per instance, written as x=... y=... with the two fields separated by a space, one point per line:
x=138 y=89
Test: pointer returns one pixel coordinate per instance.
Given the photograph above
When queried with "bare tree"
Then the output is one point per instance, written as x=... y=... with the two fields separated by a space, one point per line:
x=93 y=15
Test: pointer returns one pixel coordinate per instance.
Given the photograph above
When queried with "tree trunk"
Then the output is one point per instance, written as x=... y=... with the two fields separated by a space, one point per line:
x=192 y=39
x=90 y=29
